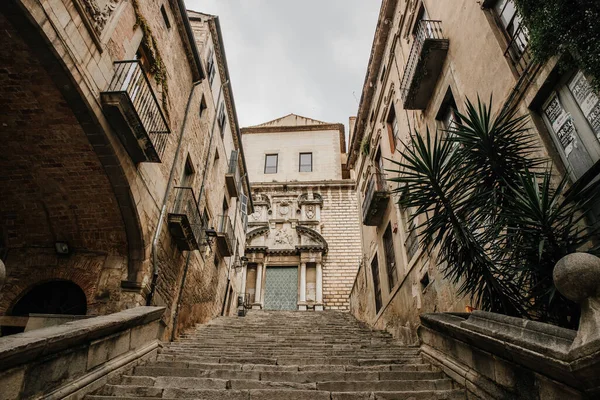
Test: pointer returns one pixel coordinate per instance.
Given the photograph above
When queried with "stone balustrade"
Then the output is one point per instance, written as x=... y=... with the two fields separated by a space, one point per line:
x=499 y=357
x=73 y=359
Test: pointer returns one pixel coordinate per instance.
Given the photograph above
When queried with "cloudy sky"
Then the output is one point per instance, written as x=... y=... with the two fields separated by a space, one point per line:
x=306 y=57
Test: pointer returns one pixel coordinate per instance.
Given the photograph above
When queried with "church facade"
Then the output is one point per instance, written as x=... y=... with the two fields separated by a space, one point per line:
x=303 y=239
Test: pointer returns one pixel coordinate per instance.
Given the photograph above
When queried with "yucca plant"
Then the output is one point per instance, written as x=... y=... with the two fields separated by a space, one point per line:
x=492 y=213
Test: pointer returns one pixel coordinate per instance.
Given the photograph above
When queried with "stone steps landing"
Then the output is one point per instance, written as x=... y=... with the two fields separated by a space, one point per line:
x=288 y=356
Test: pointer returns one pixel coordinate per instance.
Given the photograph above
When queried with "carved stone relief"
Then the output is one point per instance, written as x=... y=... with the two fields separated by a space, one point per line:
x=100 y=12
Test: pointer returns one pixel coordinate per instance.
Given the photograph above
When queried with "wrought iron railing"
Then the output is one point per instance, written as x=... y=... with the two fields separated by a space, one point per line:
x=225 y=228
x=426 y=29
x=131 y=79
x=186 y=204
x=376 y=184
x=233 y=168
x=518 y=50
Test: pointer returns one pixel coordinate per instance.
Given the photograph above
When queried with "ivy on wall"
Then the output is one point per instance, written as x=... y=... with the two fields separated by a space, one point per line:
x=157 y=66
x=559 y=26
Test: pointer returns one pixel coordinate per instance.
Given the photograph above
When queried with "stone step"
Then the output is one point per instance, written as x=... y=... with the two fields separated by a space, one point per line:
x=293 y=395
x=286 y=376
x=162 y=384
x=284 y=355
x=291 y=360
x=288 y=368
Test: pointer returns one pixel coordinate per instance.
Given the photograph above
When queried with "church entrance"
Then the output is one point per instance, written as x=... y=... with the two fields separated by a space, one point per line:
x=281 y=288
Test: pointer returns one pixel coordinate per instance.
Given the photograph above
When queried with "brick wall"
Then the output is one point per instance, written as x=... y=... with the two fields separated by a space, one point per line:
x=341 y=229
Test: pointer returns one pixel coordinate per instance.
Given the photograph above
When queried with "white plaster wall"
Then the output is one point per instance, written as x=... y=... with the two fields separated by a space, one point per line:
x=325 y=146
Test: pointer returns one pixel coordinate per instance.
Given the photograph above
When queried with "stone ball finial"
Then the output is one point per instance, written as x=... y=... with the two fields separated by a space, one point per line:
x=577 y=276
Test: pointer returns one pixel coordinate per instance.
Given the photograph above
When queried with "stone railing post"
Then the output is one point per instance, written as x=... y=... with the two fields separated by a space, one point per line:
x=577 y=277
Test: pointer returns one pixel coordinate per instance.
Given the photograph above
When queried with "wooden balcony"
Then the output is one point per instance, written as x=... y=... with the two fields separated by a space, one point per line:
x=185 y=222
x=376 y=200
x=232 y=177
x=225 y=236
x=135 y=114
x=424 y=65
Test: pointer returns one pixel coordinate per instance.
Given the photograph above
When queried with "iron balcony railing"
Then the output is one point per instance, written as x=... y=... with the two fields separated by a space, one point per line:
x=187 y=205
x=130 y=78
x=426 y=29
x=518 y=50
x=376 y=184
x=233 y=174
x=225 y=229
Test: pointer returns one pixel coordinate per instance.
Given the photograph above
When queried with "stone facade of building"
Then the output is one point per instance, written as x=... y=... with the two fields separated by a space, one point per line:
x=303 y=241
x=107 y=158
x=427 y=58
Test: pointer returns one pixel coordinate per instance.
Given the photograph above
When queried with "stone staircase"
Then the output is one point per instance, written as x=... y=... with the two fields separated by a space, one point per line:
x=285 y=355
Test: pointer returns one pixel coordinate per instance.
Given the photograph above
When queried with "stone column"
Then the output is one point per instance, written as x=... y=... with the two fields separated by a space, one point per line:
x=302 y=297
x=319 y=289
x=258 y=287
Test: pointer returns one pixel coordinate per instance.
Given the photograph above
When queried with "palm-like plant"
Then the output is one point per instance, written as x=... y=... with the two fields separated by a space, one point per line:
x=492 y=214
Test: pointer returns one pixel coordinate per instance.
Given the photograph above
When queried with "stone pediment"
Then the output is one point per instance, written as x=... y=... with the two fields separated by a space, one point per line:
x=285 y=238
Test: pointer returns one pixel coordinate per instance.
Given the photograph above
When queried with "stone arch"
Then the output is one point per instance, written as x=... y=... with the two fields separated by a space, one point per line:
x=50 y=65
x=321 y=243
x=56 y=296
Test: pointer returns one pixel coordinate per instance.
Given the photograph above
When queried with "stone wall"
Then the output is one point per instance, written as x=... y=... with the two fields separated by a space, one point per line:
x=67 y=176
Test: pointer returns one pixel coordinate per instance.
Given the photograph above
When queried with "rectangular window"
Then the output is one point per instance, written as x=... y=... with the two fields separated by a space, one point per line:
x=244 y=210
x=210 y=66
x=222 y=119
x=390 y=257
x=165 y=16
x=376 y=283
x=203 y=106
x=305 y=162
x=271 y=163
x=392 y=128
x=505 y=12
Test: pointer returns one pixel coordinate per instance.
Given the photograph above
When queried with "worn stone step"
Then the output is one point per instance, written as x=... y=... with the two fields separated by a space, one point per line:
x=387 y=386
x=278 y=376
x=287 y=368
x=200 y=394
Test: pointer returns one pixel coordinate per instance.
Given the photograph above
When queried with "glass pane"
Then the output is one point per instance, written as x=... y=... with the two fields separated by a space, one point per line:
x=305 y=162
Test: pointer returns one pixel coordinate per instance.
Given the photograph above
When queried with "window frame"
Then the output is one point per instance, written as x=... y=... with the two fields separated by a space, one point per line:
x=222 y=118
x=390 y=257
x=391 y=122
x=376 y=284
x=276 y=155
x=300 y=165
x=210 y=66
x=165 y=16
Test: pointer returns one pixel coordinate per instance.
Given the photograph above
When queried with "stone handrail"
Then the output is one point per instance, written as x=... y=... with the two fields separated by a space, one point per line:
x=75 y=358
x=499 y=357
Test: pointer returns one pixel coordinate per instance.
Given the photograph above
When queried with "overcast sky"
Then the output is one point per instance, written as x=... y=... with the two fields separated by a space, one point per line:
x=306 y=57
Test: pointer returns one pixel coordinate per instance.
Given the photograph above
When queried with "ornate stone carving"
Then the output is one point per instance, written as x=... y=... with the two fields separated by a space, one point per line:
x=256 y=215
x=283 y=237
x=310 y=211
x=284 y=209
x=100 y=11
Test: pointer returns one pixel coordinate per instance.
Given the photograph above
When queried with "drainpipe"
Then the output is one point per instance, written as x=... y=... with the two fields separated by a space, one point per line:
x=206 y=163
x=163 y=208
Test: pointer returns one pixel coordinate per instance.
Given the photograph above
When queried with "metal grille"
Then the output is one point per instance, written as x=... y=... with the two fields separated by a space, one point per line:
x=281 y=288
x=186 y=204
x=518 y=50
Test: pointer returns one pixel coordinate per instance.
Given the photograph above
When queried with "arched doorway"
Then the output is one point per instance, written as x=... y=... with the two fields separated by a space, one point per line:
x=54 y=297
